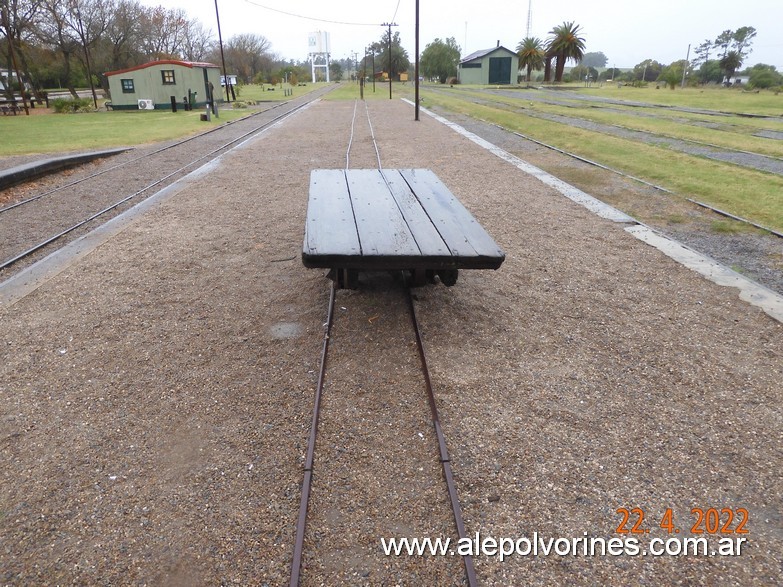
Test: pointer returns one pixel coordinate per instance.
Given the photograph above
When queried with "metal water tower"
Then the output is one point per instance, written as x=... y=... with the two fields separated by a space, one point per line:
x=318 y=49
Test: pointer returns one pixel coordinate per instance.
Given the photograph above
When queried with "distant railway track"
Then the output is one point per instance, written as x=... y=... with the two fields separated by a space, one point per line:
x=587 y=161
x=310 y=457
x=38 y=223
x=741 y=158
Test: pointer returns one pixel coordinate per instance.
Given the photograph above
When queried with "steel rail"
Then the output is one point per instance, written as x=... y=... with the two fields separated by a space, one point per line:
x=48 y=241
x=445 y=459
x=301 y=524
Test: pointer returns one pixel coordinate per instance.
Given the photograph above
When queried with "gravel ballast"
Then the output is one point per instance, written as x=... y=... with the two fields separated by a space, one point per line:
x=155 y=398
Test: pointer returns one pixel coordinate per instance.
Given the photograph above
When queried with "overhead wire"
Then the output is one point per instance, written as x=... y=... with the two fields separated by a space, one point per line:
x=326 y=20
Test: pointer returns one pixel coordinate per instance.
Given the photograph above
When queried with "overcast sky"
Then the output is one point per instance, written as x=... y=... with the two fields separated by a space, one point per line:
x=626 y=33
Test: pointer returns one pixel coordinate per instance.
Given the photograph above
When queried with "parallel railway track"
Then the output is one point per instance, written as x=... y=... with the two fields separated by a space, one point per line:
x=35 y=225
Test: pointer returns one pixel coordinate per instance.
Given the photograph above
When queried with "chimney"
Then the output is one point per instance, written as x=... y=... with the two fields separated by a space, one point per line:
x=498 y=42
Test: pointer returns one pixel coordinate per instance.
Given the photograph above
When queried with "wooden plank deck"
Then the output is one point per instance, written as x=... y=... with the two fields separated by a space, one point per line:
x=394 y=219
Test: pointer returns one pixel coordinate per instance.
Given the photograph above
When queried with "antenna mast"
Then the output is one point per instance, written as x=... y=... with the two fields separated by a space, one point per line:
x=529 y=17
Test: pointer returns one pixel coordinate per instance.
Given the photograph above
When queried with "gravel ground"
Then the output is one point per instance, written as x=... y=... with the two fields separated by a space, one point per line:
x=155 y=398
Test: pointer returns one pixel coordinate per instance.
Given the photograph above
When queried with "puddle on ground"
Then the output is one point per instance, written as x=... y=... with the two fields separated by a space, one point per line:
x=286 y=330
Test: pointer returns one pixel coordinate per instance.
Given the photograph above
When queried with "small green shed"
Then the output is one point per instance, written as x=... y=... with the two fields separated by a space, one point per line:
x=490 y=66
x=151 y=85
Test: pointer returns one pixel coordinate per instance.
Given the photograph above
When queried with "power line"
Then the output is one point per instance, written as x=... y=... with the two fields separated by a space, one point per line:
x=395 y=11
x=312 y=17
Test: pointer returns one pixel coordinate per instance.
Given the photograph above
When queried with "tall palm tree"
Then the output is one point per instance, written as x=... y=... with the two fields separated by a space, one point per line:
x=730 y=63
x=566 y=44
x=531 y=54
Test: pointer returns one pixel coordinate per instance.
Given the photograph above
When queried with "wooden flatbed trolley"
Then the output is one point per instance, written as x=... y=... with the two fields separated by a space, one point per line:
x=395 y=220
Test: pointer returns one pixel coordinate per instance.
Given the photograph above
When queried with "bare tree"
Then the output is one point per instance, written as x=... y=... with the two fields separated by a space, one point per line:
x=162 y=32
x=18 y=20
x=247 y=55
x=56 y=32
x=123 y=34
x=197 y=41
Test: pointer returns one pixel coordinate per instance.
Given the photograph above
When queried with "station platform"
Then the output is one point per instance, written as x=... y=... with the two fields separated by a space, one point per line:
x=156 y=387
x=26 y=171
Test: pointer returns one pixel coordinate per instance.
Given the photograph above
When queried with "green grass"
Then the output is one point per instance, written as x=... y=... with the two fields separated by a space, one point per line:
x=740 y=138
x=54 y=133
x=710 y=98
x=754 y=195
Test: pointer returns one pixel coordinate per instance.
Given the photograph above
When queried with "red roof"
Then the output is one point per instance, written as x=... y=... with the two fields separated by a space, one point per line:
x=163 y=62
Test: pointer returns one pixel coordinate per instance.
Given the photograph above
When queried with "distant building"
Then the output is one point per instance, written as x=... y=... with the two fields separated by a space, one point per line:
x=490 y=66
x=151 y=85
x=737 y=80
x=5 y=76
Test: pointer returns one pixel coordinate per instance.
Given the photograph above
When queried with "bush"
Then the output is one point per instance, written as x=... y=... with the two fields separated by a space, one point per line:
x=68 y=106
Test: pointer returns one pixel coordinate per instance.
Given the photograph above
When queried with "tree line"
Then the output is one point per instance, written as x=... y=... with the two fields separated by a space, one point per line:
x=715 y=61
x=61 y=43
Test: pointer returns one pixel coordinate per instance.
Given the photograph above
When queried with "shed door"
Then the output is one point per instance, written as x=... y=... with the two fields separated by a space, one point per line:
x=500 y=70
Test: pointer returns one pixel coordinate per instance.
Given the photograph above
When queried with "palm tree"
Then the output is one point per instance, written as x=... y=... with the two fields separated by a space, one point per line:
x=531 y=54
x=566 y=44
x=730 y=63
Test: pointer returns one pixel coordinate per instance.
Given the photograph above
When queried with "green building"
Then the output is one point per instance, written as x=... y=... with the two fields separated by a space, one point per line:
x=151 y=85
x=490 y=67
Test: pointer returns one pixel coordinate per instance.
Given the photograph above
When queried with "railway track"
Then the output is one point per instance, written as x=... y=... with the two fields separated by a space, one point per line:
x=37 y=224
x=310 y=471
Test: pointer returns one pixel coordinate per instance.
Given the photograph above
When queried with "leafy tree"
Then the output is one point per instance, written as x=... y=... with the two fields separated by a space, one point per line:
x=672 y=74
x=723 y=41
x=742 y=39
x=565 y=43
x=764 y=76
x=335 y=71
x=647 y=71
x=531 y=55
x=399 y=56
x=440 y=59
x=734 y=47
x=610 y=74
x=581 y=73
x=710 y=71
x=595 y=60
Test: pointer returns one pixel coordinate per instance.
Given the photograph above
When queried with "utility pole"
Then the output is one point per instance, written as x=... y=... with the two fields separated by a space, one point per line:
x=685 y=67
x=222 y=57
x=373 y=68
x=390 y=25
x=416 y=68
x=356 y=65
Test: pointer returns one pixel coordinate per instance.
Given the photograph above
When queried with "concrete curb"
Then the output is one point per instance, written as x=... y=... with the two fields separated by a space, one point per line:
x=28 y=171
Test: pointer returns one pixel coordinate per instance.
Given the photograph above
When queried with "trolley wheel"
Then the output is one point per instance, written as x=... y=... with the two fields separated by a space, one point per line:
x=448 y=277
x=421 y=277
x=344 y=278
